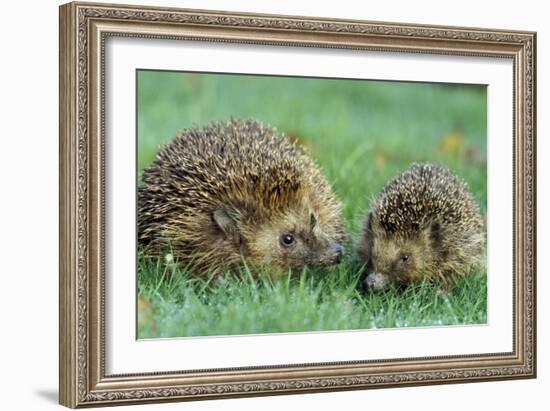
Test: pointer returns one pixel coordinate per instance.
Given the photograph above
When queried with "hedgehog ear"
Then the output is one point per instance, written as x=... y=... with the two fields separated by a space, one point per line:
x=312 y=221
x=226 y=219
x=435 y=232
x=368 y=223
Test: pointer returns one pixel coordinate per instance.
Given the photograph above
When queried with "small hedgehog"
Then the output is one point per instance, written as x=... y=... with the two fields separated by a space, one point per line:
x=424 y=224
x=236 y=190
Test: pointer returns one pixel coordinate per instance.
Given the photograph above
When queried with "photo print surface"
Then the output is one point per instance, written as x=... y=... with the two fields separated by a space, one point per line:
x=271 y=204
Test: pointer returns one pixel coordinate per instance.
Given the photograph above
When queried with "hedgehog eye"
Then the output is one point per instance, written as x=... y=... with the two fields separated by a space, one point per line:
x=287 y=239
x=404 y=259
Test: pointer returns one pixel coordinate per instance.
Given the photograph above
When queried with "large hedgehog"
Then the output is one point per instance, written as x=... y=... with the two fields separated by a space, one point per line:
x=424 y=224
x=236 y=190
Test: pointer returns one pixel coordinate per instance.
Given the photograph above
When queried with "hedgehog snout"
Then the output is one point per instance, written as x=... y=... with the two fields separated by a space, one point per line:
x=375 y=281
x=338 y=251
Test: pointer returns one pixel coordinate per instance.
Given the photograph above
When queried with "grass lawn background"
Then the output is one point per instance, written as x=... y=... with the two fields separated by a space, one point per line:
x=361 y=134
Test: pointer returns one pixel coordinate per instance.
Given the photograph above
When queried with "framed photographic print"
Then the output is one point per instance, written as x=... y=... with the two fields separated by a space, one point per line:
x=259 y=204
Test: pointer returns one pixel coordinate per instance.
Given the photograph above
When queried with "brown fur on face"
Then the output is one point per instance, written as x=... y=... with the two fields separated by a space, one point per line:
x=232 y=191
x=309 y=242
x=424 y=224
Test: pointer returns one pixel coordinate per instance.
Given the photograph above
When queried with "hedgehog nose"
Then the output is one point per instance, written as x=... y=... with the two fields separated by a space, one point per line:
x=339 y=251
x=368 y=282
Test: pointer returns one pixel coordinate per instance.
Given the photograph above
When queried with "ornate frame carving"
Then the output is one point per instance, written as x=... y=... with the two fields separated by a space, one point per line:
x=83 y=30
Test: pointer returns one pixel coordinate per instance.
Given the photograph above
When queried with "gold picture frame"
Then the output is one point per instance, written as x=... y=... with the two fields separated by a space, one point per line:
x=84 y=27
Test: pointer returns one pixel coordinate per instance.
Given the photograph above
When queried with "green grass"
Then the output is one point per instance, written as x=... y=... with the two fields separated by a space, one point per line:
x=361 y=133
x=187 y=305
